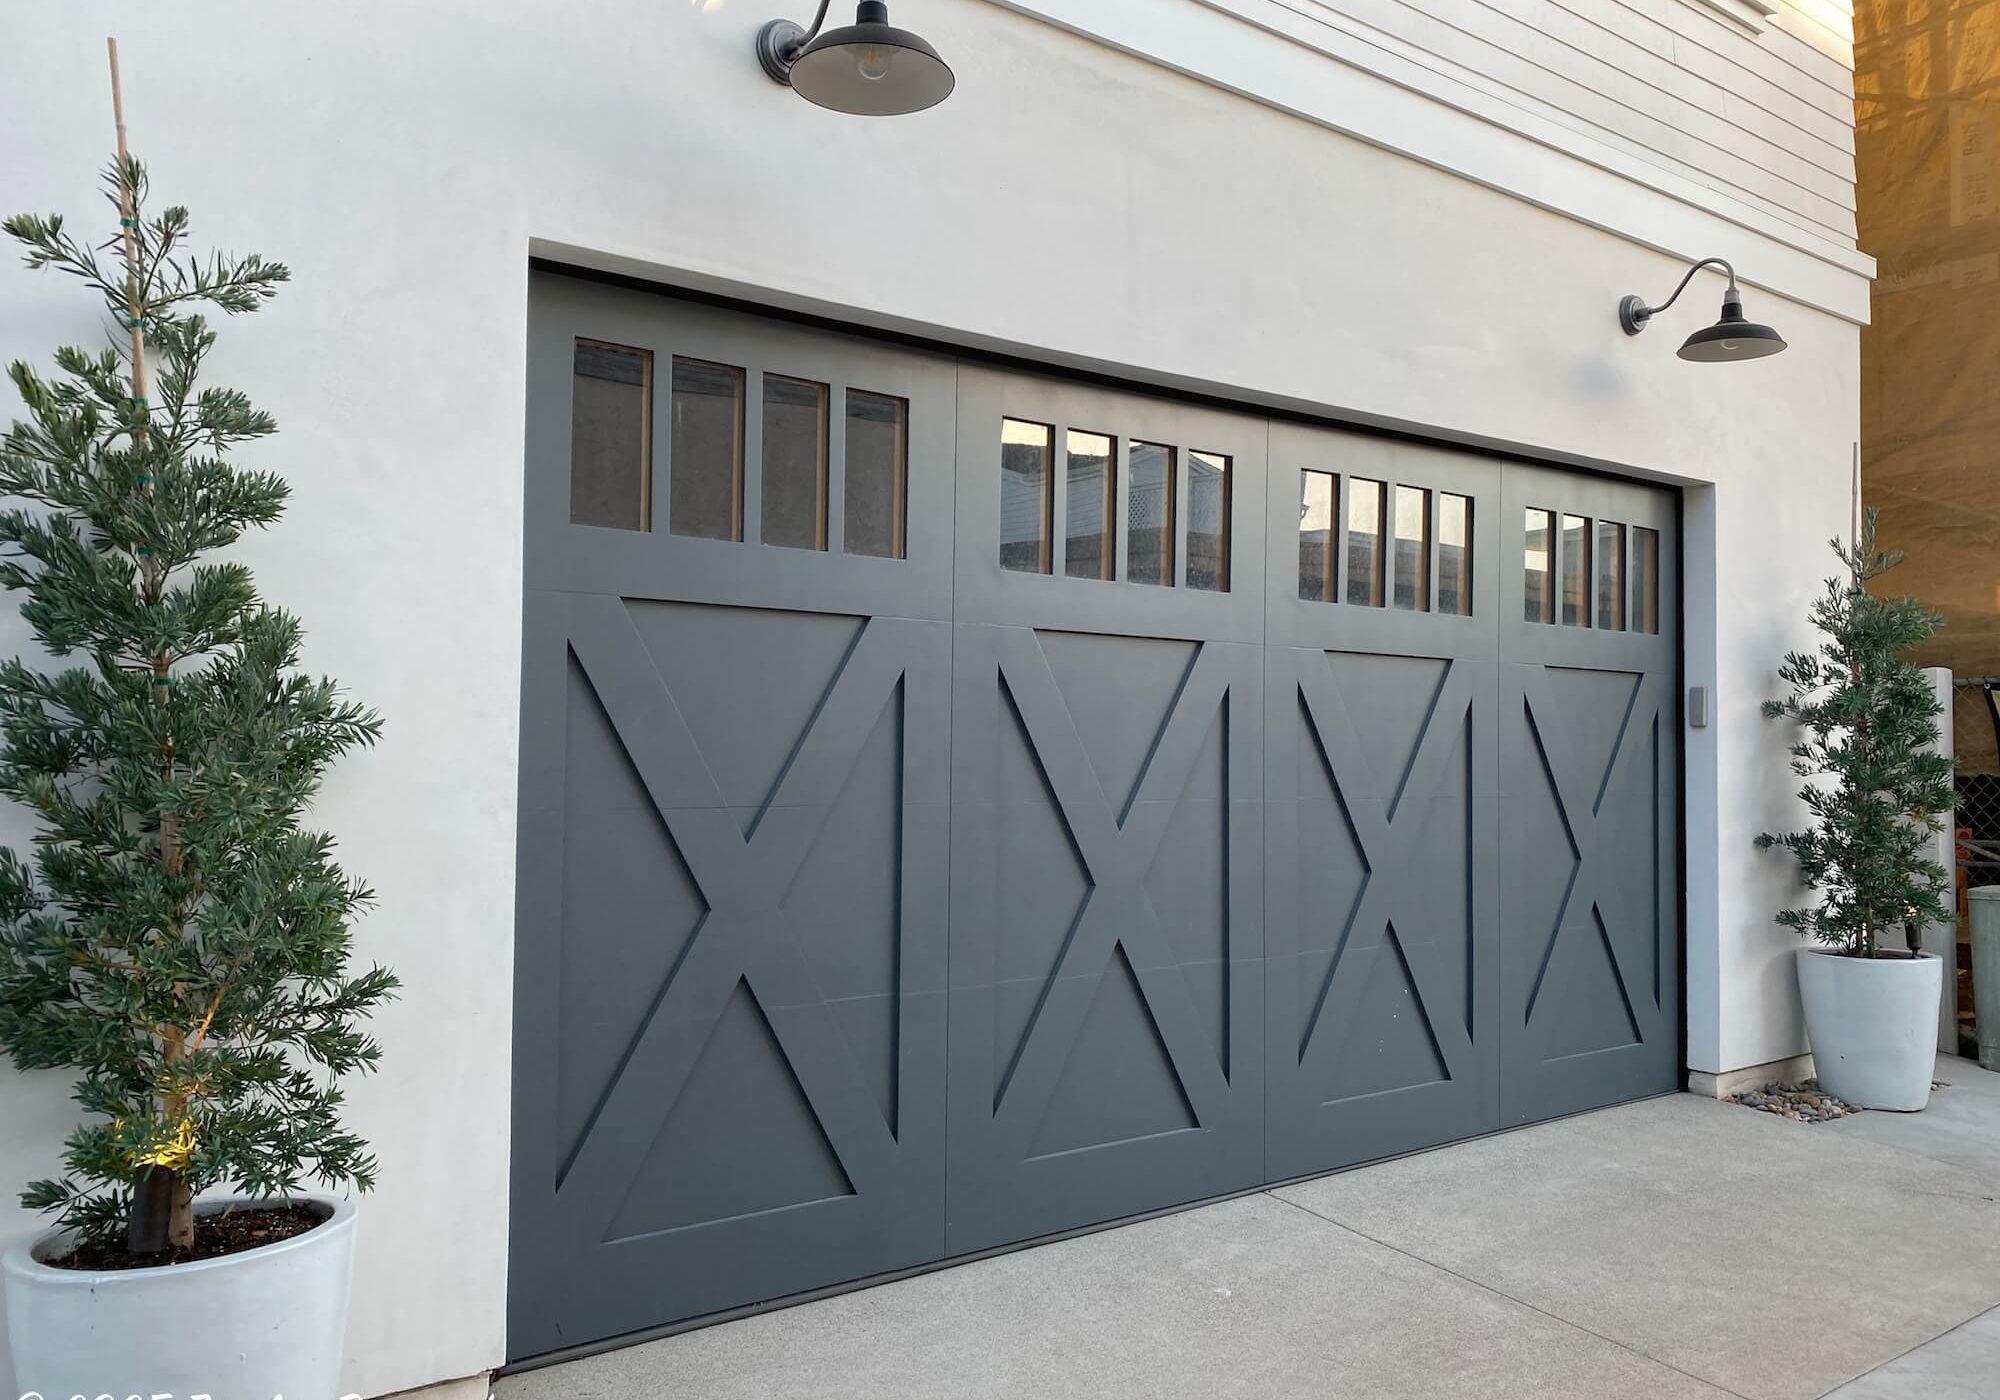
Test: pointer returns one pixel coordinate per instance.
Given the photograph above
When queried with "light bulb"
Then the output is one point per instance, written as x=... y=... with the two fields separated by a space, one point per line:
x=874 y=62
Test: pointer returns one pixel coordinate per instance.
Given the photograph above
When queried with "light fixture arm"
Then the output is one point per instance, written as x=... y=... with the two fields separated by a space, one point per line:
x=1634 y=313
x=780 y=41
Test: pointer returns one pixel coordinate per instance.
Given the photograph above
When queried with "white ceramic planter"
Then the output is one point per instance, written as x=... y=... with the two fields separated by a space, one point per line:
x=1873 y=1026
x=267 y=1322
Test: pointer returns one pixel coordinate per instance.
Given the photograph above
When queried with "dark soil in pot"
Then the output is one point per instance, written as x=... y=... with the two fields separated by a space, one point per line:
x=224 y=1232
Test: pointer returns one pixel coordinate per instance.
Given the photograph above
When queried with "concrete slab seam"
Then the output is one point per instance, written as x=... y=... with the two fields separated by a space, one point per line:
x=1962 y=1323
x=1521 y=1302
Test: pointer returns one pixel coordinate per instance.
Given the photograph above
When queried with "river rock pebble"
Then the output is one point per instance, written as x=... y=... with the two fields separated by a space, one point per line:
x=1805 y=1102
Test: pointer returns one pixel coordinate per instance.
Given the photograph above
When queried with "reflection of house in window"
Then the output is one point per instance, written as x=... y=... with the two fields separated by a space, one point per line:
x=1413 y=548
x=1576 y=571
x=1454 y=594
x=1149 y=515
x=1092 y=487
x=1364 y=541
x=1538 y=579
x=1208 y=521
x=1317 y=492
x=1646 y=570
x=1027 y=495
x=1611 y=575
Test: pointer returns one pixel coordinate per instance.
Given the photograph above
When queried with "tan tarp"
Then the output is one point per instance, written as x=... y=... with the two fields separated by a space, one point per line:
x=1927 y=108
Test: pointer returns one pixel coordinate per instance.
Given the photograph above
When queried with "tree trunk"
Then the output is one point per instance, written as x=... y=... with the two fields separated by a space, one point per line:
x=154 y=1196
x=180 y=1226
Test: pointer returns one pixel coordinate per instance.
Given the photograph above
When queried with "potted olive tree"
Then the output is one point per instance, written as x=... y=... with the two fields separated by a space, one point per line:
x=177 y=938
x=1877 y=791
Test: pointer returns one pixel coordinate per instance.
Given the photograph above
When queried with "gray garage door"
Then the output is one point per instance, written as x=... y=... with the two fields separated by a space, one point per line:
x=959 y=806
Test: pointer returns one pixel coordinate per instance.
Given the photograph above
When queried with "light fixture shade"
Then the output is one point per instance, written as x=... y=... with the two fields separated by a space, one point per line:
x=1732 y=337
x=871 y=68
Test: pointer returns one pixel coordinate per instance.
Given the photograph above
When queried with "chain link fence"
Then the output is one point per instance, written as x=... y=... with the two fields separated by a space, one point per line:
x=1975 y=741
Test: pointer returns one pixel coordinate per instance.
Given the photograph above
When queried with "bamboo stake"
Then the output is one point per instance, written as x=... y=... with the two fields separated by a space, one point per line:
x=163 y=1205
x=149 y=564
x=128 y=223
x=1854 y=501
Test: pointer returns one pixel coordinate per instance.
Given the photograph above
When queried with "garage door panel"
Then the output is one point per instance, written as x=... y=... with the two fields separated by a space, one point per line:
x=1098 y=1002
x=1586 y=917
x=1106 y=1007
x=781 y=1061
x=1590 y=900
x=1381 y=901
x=1381 y=923
x=735 y=781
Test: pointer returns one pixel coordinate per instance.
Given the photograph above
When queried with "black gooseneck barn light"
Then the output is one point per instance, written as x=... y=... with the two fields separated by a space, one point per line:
x=1730 y=338
x=870 y=67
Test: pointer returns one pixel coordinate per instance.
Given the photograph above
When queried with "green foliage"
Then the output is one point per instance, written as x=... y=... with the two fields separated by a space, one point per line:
x=1877 y=789
x=175 y=935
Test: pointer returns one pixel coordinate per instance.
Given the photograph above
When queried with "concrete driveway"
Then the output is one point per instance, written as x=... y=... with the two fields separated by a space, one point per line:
x=1677 y=1247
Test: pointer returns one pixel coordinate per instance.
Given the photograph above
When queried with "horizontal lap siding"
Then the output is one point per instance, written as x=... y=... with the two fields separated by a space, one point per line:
x=1765 y=117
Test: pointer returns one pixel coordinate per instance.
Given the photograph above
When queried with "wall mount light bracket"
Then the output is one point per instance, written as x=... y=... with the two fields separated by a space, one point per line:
x=779 y=42
x=1732 y=337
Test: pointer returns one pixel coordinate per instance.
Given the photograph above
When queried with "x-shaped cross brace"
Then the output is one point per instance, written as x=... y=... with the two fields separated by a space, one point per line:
x=744 y=881
x=1384 y=831
x=1117 y=849
x=1580 y=795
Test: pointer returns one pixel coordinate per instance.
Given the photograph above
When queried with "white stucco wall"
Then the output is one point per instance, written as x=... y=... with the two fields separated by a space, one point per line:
x=1072 y=201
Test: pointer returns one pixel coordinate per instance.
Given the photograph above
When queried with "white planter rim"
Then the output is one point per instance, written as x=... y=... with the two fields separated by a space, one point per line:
x=25 y=1258
x=1910 y=960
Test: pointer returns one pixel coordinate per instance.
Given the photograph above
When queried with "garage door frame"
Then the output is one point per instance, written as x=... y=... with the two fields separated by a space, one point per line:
x=728 y=582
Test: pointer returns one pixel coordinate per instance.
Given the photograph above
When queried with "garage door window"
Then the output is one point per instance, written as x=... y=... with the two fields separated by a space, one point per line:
x=794 y=463
x=1092 y=505
x=1149 y=521
x=1454 y=554
x=1413 y=548
x=878 y=471
x=1611 y=575
x=705 y=451
x=1364 y=541
x=1317 y=493
x=1027 y=495
x=1208 y=521
x=1575 y=571
x=611 y=410
x=1538 y=567
x=1646 y=579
